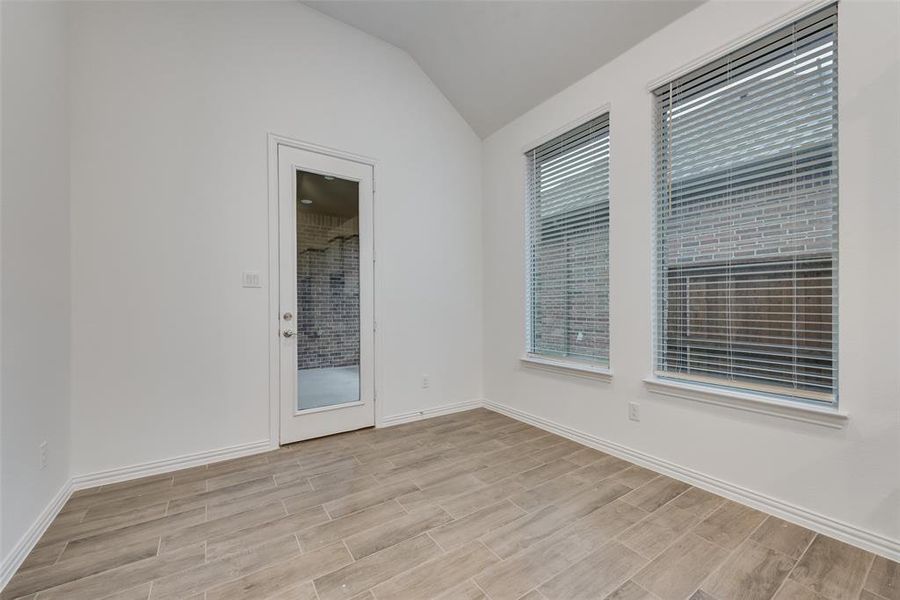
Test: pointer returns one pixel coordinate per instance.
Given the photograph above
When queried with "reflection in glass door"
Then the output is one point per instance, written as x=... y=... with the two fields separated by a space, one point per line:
x=328 y=260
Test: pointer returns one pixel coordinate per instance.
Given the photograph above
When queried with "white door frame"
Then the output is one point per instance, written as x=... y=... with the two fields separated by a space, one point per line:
x=274 y=318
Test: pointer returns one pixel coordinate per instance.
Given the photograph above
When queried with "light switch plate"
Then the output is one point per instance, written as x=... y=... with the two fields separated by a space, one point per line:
x=250 y=279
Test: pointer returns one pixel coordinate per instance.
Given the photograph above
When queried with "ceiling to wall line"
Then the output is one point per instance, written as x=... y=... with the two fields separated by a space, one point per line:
x=495 y=60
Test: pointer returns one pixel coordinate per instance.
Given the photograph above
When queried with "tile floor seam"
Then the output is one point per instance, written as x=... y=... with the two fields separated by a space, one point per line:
x=221 y=583
x=575 y=562
x=58 y=556
x=784 y=581
x=642 y=588
x=395 y=575
x=788 y=576
x=452 y=439
x=486 y=547
x=809 y=589
x=862 y=585
x=483 y=591
x=437 y=543
x=347 y=548
x=734 y=551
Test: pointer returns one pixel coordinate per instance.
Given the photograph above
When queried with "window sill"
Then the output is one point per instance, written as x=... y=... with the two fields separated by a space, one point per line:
x=568 y=367
x=748 y=401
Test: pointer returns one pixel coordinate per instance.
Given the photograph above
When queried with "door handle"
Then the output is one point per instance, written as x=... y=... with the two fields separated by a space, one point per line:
x=287 y=333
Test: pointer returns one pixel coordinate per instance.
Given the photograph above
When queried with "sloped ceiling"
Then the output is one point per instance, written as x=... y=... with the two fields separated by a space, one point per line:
x=495 y=60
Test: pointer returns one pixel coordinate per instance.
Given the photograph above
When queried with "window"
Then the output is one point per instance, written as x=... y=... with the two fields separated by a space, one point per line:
x=568 y=245
x=746 y=217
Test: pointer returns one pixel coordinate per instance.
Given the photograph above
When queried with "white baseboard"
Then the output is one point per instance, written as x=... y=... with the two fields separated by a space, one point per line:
x=13 y=561
x=29 y=539
x=80 y=482
x=416 y=415
x=838 y=530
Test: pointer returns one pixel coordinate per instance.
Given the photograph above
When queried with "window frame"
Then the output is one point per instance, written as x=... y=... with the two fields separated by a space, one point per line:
x=550 y=363
x=721 y=393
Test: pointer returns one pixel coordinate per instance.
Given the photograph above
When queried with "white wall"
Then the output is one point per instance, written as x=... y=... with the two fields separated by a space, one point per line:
x=171 y=104
x=849 y=475
x=34 y=264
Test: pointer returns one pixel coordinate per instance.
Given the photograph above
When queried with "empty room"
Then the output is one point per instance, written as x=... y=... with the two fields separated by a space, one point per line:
x=450 y=299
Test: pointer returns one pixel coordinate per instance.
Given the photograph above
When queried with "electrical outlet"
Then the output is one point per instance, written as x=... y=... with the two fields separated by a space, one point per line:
x=634 y=411
x=251 y=279
x=43 y=455
x=426 y=382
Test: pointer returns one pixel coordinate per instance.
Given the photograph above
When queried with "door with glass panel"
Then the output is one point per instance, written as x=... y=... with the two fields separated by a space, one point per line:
x=325 y=288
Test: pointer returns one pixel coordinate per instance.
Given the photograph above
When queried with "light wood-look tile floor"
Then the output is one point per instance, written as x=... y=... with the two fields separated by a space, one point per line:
x=467 y=506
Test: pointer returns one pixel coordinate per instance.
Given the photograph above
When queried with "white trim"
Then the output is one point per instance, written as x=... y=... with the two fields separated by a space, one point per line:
x=319 y=409
x=596 y=112
x=274 y=321
x=567 y=367
x=798 y=13
x=26 y=544
x=418 y=415
x=867 y=540
x=748 y=401
x=19 y=552
x=11 y=563
x=275 y=140
x=155 y=467
x=561 y=366
x=280 y=140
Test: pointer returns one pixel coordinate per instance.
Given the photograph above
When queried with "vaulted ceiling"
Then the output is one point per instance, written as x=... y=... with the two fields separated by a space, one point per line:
x=495 y=60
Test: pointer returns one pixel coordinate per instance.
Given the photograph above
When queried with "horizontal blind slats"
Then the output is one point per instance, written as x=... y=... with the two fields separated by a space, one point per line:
x=746 y=216
x=767 y=45
x=568 y=244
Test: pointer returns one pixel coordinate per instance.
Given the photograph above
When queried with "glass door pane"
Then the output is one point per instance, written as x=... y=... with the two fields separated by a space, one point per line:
x=327 y=291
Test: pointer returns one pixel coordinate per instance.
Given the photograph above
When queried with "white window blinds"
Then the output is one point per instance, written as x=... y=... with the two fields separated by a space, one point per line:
x=568 y=245
x=746 y=217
